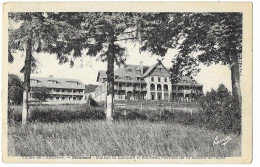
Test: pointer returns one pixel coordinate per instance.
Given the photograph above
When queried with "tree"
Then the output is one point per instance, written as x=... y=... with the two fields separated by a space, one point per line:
x=200 y=38
x=40 y=94
x=101 y=34
x=15 y=89
x=35 y=33
x=90 y=88
x=217 y=38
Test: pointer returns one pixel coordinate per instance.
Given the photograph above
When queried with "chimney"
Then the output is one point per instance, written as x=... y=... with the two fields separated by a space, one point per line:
x=50 y=76
x=141 y=67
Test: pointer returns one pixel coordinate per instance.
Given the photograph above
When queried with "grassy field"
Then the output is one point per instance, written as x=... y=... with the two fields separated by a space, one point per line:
x=75 y=131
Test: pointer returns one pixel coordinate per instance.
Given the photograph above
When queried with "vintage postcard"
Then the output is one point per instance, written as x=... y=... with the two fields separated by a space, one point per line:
x=127 y=82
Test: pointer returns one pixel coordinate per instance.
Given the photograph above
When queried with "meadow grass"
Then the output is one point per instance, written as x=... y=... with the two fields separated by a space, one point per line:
x=118 y=138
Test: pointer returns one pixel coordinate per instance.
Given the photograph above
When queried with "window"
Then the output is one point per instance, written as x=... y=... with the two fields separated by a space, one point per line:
x=116 y=76
x=159 y=79
x=165 y=79
x=52 y=81
x=165 y=87
x=159 y=87
x=152 y=97
x=128 y=70
x=138 y=78
x=152 y=87
x=72 y=83
x=152 y=79
x=127 y=77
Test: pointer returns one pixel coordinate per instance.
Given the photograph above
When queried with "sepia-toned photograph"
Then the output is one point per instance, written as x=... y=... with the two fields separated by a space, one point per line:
x=127 y=86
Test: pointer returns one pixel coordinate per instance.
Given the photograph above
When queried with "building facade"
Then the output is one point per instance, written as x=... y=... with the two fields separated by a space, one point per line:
x=59 y=89
x=138 y=82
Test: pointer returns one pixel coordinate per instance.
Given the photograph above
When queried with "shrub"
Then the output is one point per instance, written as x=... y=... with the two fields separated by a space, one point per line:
x=15 y=89
x=92 y=102
x=135 y=116
x=220 y=111
x=46 y=114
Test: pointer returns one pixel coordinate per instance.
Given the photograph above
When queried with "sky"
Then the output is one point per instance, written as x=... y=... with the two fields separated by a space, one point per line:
x=86 y=69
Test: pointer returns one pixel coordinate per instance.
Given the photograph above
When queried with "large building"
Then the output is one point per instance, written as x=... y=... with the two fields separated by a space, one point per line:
x=138 y=82
x=59 y=89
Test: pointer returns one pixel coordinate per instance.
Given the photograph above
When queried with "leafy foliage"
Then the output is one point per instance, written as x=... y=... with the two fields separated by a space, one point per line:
x=90 y=88
x=216 y=37
x=221 y=110
x=15 y=89
x=47 y=35
x=40 y=93
x=51 y=114
x=206 y=38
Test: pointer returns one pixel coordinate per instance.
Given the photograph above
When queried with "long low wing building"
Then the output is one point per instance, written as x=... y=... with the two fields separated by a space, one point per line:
x=59 y=89
x=138 y=82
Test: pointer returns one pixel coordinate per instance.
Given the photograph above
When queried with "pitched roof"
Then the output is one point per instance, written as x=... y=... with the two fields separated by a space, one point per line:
x=150 y=69
x=132 y=71
x=61 y=83
x=187 y=81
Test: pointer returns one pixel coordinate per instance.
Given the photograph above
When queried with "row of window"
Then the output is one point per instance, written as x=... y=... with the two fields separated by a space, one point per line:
x=159 y=87
x=55 y=90
x=159 y=79
x=128 y=78
x=55 y=82
x=66 y=91
x=160 y=70
x=65 y=98
x=59 y=98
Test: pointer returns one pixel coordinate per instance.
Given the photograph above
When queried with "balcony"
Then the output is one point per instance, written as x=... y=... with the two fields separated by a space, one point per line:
x=119 y=88
x=129 y=89
x=66 y=93
x=177 y=91
x=143 y=89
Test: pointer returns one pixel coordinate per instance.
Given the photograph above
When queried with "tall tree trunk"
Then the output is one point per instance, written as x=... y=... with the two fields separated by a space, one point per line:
x=235 y=78
x=27 y=73
x=110 y=82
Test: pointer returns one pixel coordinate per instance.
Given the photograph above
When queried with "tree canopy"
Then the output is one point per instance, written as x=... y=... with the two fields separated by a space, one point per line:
x=15 y=89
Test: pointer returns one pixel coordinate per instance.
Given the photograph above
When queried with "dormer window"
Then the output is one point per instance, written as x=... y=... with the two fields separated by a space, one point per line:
x=138 y=78
x=138 y=69
x=128 y=69
x=52 y=81
x=127 y=77
x=72 y=82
